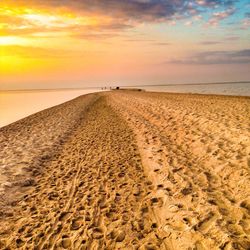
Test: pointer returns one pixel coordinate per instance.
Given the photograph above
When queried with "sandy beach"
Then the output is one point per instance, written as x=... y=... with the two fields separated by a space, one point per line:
x=128 y=170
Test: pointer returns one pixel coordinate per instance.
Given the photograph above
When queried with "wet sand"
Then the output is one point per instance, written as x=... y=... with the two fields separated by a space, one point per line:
x=128 y=170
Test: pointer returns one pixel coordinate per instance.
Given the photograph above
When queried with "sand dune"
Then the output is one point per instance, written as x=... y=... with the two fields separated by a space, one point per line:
x=128 y=170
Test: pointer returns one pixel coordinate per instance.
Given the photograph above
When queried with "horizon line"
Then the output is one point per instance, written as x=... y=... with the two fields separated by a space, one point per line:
x=114 y=86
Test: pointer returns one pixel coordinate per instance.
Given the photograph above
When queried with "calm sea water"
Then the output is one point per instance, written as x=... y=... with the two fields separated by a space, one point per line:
x=15 y=105
x=238 y=89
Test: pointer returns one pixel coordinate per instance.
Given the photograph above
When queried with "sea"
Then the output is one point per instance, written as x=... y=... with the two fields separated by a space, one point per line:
x=17 y=104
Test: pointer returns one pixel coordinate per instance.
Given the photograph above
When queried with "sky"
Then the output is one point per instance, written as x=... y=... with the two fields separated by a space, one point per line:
x=87 y=43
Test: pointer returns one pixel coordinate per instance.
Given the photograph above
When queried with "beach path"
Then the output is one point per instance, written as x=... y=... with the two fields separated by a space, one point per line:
x=136 y=170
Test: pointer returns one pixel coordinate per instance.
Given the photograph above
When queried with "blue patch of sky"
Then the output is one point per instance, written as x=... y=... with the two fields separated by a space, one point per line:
x=241 y=8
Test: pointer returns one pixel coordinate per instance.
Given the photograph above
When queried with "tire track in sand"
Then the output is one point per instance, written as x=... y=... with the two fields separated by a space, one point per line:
x=199 y=165
x=68 y=206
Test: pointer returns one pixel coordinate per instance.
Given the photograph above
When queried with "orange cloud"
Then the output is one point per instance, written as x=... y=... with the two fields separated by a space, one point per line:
x=23 y=21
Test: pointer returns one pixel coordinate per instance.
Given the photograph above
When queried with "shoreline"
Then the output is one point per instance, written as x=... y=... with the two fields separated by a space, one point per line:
x=28 y=135
x=128 y=169
x=143 y=90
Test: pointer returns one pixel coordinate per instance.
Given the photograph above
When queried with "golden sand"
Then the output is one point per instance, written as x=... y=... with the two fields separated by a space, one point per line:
x=128 y=170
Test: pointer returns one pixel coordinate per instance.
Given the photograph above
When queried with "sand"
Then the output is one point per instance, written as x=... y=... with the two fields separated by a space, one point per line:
x=128 y=170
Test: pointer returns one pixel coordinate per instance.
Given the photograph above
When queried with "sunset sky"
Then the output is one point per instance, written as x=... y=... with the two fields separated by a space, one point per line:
x=77 y=43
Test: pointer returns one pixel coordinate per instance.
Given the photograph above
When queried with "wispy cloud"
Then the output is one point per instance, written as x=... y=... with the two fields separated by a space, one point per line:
x=161 y=43
x=209 y=42
x=219 y=16
x=231 y=38
x=246 y=23
x=215 y=3
x=216 y=57
x=226 y=39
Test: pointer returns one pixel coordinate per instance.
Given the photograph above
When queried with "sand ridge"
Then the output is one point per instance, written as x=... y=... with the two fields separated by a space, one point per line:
x=135 y=171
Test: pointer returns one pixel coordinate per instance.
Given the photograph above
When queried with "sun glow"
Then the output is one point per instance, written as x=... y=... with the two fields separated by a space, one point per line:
x=12 y=40
x=38 y=18
x=37 y=38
